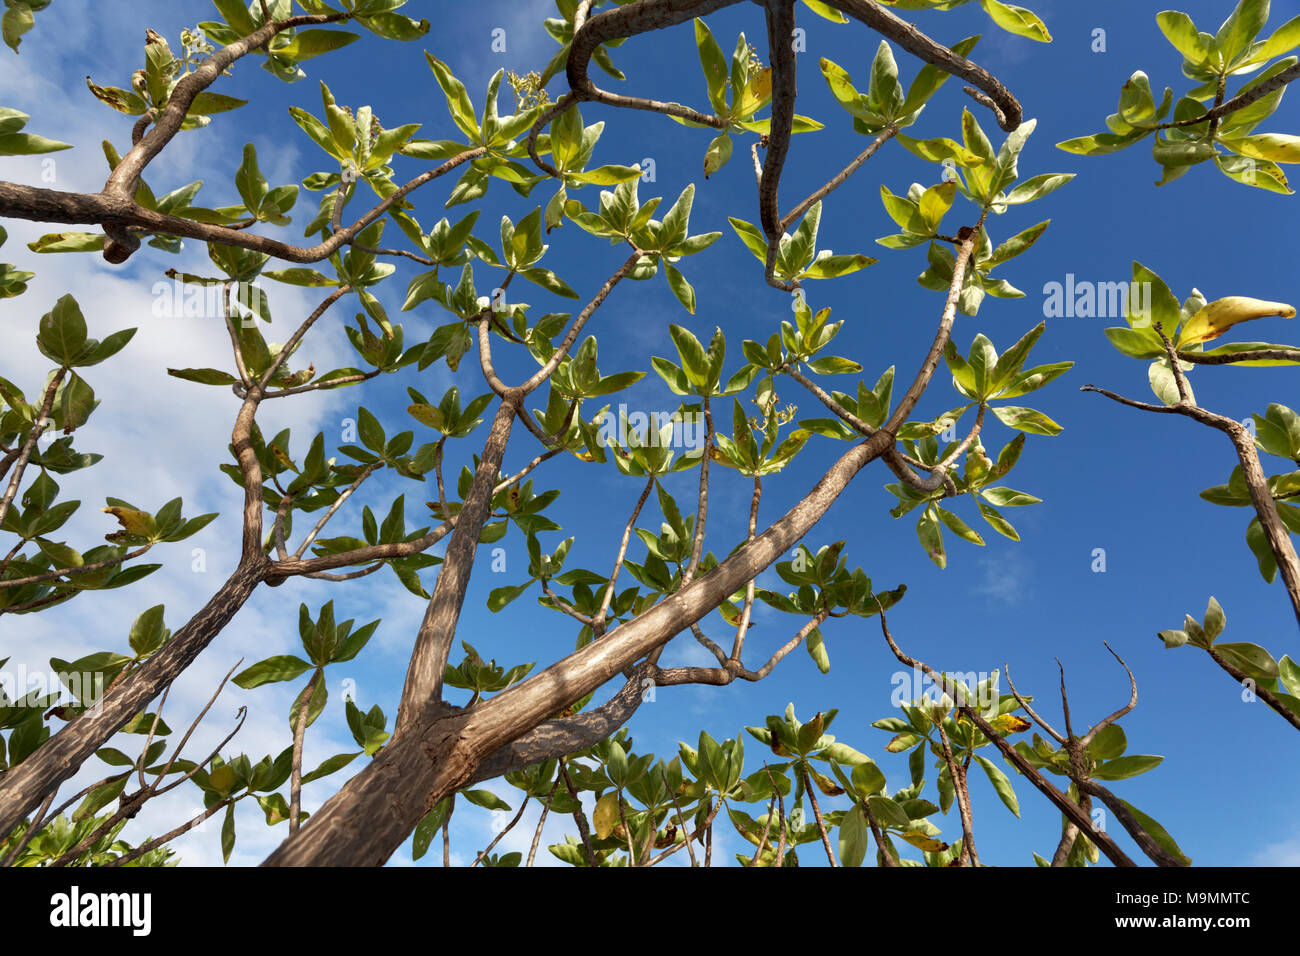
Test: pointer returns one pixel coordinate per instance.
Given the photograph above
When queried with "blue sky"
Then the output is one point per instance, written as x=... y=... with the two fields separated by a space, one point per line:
x=1115 y=479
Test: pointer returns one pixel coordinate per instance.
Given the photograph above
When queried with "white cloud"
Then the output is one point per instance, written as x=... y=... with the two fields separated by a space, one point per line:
x=1284 y=852
x=1004 y=578
x=161 y=437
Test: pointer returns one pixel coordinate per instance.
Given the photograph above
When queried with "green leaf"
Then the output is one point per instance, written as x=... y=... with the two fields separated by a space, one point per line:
x=997 y=522
x=1259 y=546
x=816 y=645
x=1009 y=497
x=1001 y=783
x=62 y=331
x=1180 y=31
x=694 y=360
x=204 y=376
x=68 y=242
x=1158 y=833
x=718 y=153
x=26 y=144
x=1136 y=343
x=715 y=67
x=888 y=812
x=1100 y=143
x=485 y=799
x=458 y=102
x=1289 y=674
x=931 y=537
x=250 y=182
x=147 y=631
x=1026 y=420
x=395 y=26
x=549 y=281
x=16 y=21
x=100 y=797
x=1017 y=20
x=1215 y=620
x=228 y=833
x=959 y=527
x=833 y=266
x=834 y=365
x=1036 y=187
x=885 y=94
x=1251 y=659
x=681 y=288
x=272 y=670
x=1240 y=29
x=500 y=597
x=1121 y=768
x=1163 y=383
x=940 y=149
x=853 y=838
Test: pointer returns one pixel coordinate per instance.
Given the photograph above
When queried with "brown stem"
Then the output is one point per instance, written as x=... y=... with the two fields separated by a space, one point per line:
x=170 y=835
x=578 y=816
x=958 y=776
x=681 y=823
x=119 y=213
x=598 y=624
x=25 y=453
x=299 y=735
x=817 y=815
x=887 y=856
x=537 y=834
x=1275 y=530
x=1283 y=711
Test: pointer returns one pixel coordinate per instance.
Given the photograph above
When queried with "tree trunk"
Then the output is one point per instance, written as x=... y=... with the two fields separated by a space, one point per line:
x=369 y=818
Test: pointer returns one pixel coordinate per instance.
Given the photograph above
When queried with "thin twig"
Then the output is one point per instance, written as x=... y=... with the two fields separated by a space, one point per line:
x=508 y=827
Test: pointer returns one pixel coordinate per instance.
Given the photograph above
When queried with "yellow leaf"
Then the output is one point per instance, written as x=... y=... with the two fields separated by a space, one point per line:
x=1277 y=147
x=923 y=841
x=605 y=816
x=1010 y=724
x=283 y=458
x=759 y=90
x=1222 y=314
x=135 y=522
x=825 y=784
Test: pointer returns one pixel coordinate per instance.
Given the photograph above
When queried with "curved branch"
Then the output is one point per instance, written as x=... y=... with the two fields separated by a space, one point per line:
x=1091 y=735
x=780 y=28
x=625 y=21
x=997 y=97
x=146 y=146
x=1253 y=355
x=566 y=735
x=907 y=403
x=121 y=212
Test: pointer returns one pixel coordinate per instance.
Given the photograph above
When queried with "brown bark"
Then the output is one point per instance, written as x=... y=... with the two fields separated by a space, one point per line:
x=370 y=817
